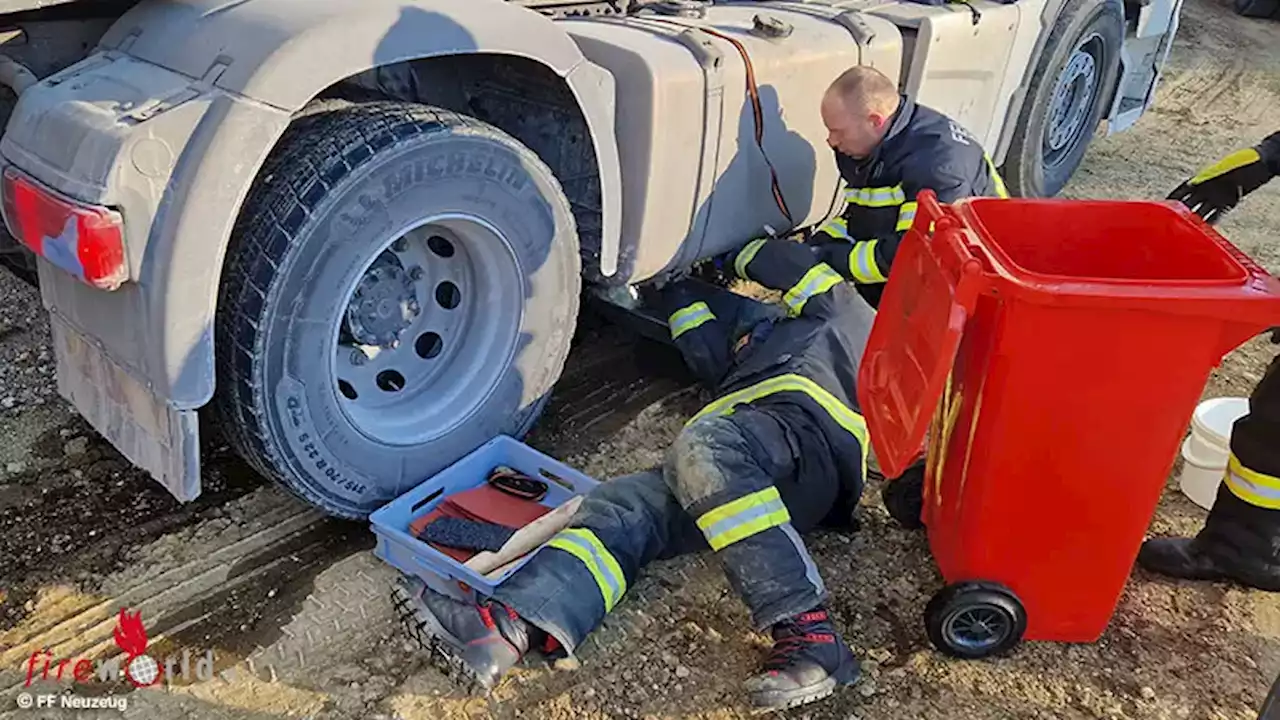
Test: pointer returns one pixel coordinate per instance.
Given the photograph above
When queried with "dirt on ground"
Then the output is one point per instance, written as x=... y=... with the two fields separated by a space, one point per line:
x=295 y=611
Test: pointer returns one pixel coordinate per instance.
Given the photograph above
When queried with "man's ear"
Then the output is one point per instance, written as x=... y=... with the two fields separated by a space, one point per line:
x=878 y=121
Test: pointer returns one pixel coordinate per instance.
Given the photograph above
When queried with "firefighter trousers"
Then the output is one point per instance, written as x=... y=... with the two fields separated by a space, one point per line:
x=725 y=485
x=1244 y=525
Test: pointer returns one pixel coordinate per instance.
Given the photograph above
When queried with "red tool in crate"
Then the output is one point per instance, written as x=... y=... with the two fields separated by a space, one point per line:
x=1052 y=352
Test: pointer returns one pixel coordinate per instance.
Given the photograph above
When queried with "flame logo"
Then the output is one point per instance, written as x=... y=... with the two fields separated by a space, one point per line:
x=130 y=635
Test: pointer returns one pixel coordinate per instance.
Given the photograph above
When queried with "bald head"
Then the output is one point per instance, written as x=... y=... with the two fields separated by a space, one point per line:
x=865 y=88
x=856 y=109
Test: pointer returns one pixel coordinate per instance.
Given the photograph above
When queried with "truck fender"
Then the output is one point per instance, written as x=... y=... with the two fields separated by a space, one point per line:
x=277 y=56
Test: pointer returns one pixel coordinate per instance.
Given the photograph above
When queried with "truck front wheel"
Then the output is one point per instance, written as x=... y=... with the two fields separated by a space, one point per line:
x=402 y=285
x=1065 y=100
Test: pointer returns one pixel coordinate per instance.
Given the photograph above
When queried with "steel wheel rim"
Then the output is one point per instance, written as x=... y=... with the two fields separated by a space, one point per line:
x=426 y=329
x=978 y=627
x=1072 y=100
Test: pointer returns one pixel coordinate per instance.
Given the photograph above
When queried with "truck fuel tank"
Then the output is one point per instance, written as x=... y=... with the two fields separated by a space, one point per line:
x=695 y=181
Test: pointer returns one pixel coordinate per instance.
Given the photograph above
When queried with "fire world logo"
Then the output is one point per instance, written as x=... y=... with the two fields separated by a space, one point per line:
x=137 y=667
x=131 y=637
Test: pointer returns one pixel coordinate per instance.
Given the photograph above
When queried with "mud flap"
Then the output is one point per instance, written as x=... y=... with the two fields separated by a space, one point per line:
x=148 y=431
x=1142 y=60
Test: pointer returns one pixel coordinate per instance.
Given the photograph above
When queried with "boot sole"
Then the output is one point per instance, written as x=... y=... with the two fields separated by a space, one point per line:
x=443 y=650
x=444 y=659
x=1170 y=572
x=774 y=700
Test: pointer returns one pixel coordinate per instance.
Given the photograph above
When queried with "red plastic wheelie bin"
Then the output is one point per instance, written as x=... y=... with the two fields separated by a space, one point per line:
x=1052 y=353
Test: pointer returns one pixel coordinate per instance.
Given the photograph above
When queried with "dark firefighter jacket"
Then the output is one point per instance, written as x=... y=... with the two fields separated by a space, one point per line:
x=802 y=370
x=922 y=149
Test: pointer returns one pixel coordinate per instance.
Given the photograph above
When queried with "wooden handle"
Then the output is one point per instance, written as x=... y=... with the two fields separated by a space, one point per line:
x=527 y=538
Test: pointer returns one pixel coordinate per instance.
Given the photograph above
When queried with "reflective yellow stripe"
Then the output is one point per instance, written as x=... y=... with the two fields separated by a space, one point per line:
x=836 y=227
x=742 y=518
x=844 y=416
x=688 y=318
x=1234 y=161
x=584 y=545
x=1252 y=486
x=1001 y=190
x=745 y=257
x=876 y=197
x=862 y=262
x=906 y=216
x=818 y=280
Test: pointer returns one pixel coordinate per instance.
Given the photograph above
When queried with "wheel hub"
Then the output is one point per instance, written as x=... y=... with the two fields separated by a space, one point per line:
x=429 y=329
x=1072 y=100
x=979 y=627
x=384 y=304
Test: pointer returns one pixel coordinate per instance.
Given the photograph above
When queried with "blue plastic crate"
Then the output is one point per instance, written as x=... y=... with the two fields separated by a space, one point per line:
x=442 y=573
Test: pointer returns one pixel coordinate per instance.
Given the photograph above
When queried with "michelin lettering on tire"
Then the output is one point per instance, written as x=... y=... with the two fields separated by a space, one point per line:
x=401 y=171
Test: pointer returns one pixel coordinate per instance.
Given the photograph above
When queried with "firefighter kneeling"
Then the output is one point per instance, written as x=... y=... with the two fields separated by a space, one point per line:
x=781 y=451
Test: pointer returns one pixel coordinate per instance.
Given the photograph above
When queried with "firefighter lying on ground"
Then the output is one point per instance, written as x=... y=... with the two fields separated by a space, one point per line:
x=888 y=149
x=1240 y=540
x=781 y=451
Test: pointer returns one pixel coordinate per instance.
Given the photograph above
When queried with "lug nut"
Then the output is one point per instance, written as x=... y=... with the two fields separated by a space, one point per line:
x=414 y=306
x=416 y=273
x=358 y=357
x=400 y=245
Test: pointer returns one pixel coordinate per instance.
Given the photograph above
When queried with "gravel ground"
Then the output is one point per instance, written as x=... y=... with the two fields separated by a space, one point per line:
x=77 y=524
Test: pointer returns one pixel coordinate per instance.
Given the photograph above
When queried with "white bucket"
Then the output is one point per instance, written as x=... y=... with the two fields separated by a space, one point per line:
x=1205 y=450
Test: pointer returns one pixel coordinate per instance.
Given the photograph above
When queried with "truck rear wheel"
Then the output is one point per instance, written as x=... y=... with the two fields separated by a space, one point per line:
x=402 y=286
x=1065 y=100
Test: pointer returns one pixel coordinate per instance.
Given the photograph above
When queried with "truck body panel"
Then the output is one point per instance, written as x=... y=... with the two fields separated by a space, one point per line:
x=696 y=183
x=214 y=139
x=284 y=52
x=969 y=71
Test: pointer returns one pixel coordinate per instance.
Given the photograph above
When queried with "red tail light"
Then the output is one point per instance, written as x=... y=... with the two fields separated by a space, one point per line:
x=85 y=240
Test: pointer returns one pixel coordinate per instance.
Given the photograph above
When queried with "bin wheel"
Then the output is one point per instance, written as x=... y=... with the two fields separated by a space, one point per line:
x=974 y=620
x=903 y=497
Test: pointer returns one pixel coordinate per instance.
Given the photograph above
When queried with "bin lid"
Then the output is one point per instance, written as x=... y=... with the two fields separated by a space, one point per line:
x=931 y=292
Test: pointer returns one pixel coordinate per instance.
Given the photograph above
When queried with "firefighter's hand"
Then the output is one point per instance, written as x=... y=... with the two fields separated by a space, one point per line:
x=1220 y=187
